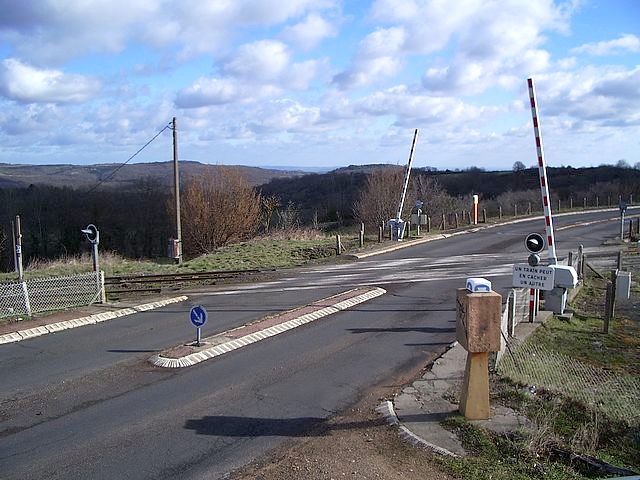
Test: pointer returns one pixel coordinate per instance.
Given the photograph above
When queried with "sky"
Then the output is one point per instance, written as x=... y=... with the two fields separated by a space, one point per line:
x=320 y=83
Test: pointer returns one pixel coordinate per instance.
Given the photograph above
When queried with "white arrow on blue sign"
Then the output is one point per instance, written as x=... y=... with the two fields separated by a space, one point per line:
x=198 y=315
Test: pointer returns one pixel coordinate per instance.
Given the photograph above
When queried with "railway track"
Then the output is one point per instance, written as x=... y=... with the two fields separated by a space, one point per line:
x=116 y=286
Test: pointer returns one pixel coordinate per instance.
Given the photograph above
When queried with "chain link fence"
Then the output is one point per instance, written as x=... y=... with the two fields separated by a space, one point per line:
x=48 y=294
x=608 y=392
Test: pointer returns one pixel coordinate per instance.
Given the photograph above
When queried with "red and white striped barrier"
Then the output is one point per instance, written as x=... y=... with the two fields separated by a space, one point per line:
x=542 y=169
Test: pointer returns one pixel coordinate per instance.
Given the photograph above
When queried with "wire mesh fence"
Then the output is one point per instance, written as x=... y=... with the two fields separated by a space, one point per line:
x=608 y=392
x=48 y=294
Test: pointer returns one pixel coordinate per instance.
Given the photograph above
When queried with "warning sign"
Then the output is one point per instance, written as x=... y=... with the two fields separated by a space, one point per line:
x=540 y=278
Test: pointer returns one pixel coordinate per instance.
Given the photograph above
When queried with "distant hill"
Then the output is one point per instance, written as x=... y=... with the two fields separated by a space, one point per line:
x=87 y=176
x=333 y=194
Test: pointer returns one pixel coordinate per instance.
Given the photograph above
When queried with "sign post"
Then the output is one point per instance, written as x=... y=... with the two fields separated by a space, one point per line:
x=198 y=317
x=623 y=208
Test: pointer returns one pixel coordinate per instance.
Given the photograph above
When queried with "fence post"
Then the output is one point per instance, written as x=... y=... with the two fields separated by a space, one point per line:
x=515 y=210
x=609 y=201
x=570 y=259
x=559 y=204
x=380 y=234
x=612 y=307
x=455 y=216
x=597 y=201
x=338 y=245
x=529 y=209
x=428 y=224
x=484 y=215
x=500 y=212
x=511 y=310
x=584 y=202
x=444 y=223
x=361 y=235
x=619 y=261
x=571 y=203
x=580 y=261
x=607 y=307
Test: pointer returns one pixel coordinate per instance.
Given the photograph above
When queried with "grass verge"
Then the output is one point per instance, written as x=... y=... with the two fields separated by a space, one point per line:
x=566 y=439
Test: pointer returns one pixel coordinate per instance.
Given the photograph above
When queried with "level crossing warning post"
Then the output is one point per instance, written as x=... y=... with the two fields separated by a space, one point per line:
x=538 y=277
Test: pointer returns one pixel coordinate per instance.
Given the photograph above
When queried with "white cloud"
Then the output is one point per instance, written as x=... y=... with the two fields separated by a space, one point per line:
x=626 y=43
x=592 y=96
x=259 y=69
x=494 y=42
x=376 y=59
x=27 y=84
x=49 y=32
x=263 y=60
x=310 y=32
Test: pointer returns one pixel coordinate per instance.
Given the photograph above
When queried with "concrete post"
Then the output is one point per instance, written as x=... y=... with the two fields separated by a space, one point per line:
x=428 y=224
x=484 y=215
x=584 y=202
x=338 y=245
x=478 y=318
x=456 y=220
x=380 y=234
x=500 y=212
x=571 y=203
x=515 y=210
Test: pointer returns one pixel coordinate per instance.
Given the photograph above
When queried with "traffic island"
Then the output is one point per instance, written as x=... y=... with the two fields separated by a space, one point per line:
x=191 y=354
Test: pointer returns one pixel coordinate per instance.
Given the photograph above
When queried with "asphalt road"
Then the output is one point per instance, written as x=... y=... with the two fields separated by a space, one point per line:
x=85 y=403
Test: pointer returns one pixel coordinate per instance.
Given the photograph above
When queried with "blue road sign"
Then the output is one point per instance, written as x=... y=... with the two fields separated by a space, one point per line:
x=198 y=315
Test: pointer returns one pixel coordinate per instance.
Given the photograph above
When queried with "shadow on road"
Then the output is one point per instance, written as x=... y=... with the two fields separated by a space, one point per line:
x=404 y=330
x=229 y=426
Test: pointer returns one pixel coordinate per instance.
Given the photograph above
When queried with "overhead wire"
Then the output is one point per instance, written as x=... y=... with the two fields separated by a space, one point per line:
x=111 y=175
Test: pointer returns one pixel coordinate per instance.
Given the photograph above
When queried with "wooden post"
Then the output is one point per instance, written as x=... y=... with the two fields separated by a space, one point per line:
x=515 y=210
x=428 y=224
x=444 y=223
x=456 y=220
x=500 y=212
x=597 y=201
x=570 y=259
x=607 y=307
x=584 y=202
x=580 y=261
x=511 y=308
x=559 y=204
x=338 y=245
x=380 y=232
x=484 y=215
x=361 y=235
x=529 y=209
x=570 y=203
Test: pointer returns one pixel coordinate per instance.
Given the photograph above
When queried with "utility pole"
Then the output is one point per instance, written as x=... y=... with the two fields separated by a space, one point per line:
x=176 y=186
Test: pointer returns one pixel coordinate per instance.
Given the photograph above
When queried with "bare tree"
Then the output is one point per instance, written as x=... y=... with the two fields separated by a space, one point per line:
x=436 y=200
x=269 y=205
x=378 y=200
x=218 y=209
